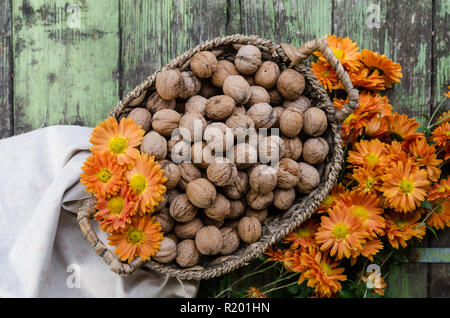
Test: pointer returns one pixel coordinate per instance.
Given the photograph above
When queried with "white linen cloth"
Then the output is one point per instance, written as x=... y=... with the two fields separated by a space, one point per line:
x=42 y=250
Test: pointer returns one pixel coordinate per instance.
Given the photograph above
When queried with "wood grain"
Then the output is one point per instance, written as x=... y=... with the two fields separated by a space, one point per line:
x=6 y=114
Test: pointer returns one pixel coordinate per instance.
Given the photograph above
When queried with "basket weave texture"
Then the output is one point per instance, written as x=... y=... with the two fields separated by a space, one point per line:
x=277 y=227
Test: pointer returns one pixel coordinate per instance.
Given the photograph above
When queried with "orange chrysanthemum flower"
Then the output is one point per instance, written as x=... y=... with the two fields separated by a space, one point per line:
x=322 y=274
x=445 y=117
x=254 y=292
x=330 y=200
x=345 y=50
x=375 y=281
x=368 y=250
x=119 y=139
x=115 y=212
x=367 y=153
x=368 y=180
x=404 y=186
x=274 y=254
x=326 y=75
x=391 y=72
x=342 y=232
x=288 y=259
x=441 y=135
x=401 y=227
x=439 y=190
x=425 y=156
x=369 y=80
x=402 y=129
x=376 y=128
x=146 y=179
x=448 y=93
x=142 y=238
x=102 y=174
x=440 y=217
x=303 y=236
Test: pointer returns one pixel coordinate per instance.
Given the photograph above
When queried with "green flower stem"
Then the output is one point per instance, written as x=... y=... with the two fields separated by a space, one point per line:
x=279 y=279
x=278 y=288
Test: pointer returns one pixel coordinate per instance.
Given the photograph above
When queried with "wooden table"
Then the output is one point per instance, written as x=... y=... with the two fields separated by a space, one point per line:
x=69 y=62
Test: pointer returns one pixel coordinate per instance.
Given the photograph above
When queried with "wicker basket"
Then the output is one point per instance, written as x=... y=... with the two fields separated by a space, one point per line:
x=280 y=225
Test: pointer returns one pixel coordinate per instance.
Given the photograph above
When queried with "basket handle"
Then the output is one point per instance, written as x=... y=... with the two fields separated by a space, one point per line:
x=306 y=50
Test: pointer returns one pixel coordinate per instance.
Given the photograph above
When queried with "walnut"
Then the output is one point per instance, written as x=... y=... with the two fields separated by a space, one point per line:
x=232 y=224
x=315 y=150
x=222 y=172
x=161 y=204
x=220 y=208
x=188 y=230
x=258 y=94
x=275 y=97
x=302 y=103
x=164 y=218
x=288 y=173
x=201 y=192
x=291 y=84
x=271 y=149
x=203 y=64
x=309 y=178
x=219 y=137
x=154 y=144
x=169 y=84
x=315 y=122
x=237 y=208
x=278 y=111
x=249 y=229
x=293 y=147
x=224 y=69
x=155 y=103
x=172 y=193
x=197 y=154
x=262 y=115
x=248 y=59
x=250 y=79
x=196 y=104
x=165 y=121
x=267 y=74
x=220 y=107
x=141 y=117
x=208 y=90
x=189 y=173
x=257 y=200
x=172 y=172
x=240 y=110
x=262 y=178
x=208 y=221
x=179 y=149
x=192 y=85
x=239 y=187
x=230 y=241
x=261 y=215
x=245 y=155
x=209 y=240
x=187 y=253
x=173 y=237
x=192 y=125
x=283 y=198
x=291 y=122
x=240 y=124
x=238 y=88
x=167 y=251
x=181 y=209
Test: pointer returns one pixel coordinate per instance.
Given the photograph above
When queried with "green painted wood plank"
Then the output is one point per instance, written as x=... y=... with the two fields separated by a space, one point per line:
x=5 y=69
x=65 y=62
x=155 y=32
x=439 y=274
x=429 y=255
x=407 y=281
x=404 y=35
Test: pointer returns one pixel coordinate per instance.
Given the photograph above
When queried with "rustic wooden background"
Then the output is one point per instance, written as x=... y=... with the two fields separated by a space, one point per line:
x=70 y=61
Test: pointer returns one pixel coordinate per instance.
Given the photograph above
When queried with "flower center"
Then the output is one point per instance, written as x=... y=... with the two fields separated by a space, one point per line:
x=439 y=209
x=401 y=223
x=104 y=175
x=118 y=145
x=407 y=186
x=369 y=183
x=348 y=119
x=372 y=159
x=340 y=231
x=447 y=133
x=326 y=267
x=443 y=188
x=328 y=200
x=135 y=236
x=302 y=233
x=395 y=136
x=360 y=212
x=338 y=53
x=138 y=183
x=116 y=205
x=326 y=73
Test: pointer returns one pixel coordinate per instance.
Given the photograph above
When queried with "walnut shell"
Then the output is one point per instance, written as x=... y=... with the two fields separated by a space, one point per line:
x=315 y=150
x=290 y=84
x=165 y=220
x=293 y=147
x=219 y=137
x=271 y=149
x=240 y=110
x=220 y=208
x=245 y=155
x=165 y=121
x=278 y=111
x=224 y=69
x=230 y=241
x=237 y=208
x=257 y=200
x=189 y=173
x=141 y=117
x=249 y=229
x=240 y=124
x=275 y=97
x=248 y=59
x=288 y=173
x=283 y=198
x=172 y=193
x=309 y=178
x=315 y=122
x=169 y=84
x=167 y=251
x=196 y=104
x=201 y=192
x=209 y=240
x=203 y=64
x=238 y=88
x=188 y=230
x=192 y=85
x=187 y=253
x=262 y=115
x=262 y=178
x=267 y=74
x=208 y=90
x=239 y=187
x=222 y=172
x=302 y=103
x=179 y=149
x=197 y=154
x=258 y=94
x=250 y=79
x=155 y=103
x=172 y=172
x=208 y=221
x=154 y=144
x=181 y=209
x=261 y=215
x=220 y=107
x=192 y=125
x=291 y=122
x=173 y=237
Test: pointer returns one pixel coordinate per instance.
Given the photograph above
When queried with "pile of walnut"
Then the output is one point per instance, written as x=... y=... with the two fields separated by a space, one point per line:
x=218 y=204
